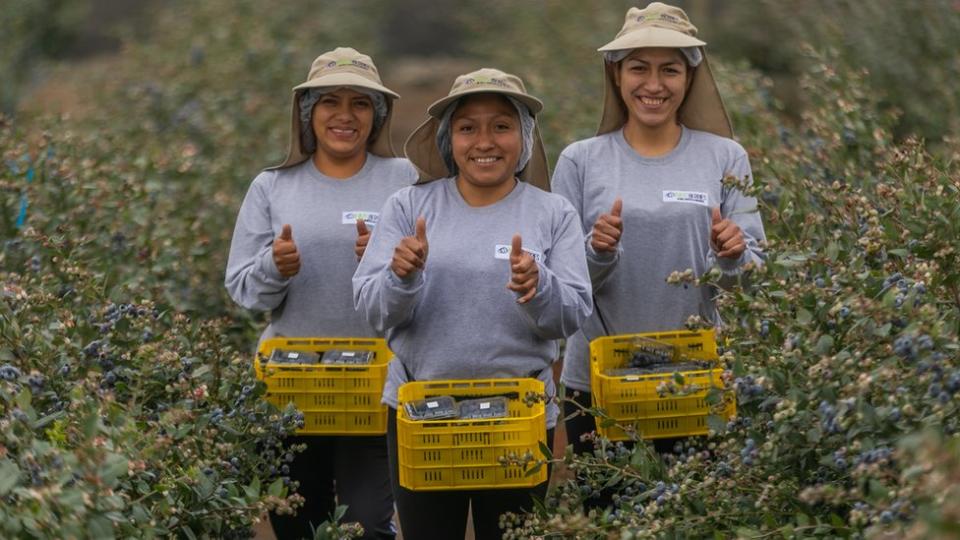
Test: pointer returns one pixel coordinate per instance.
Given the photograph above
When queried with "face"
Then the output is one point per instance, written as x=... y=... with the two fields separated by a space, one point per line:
x=342 y=122
x=653 y=83
x=486 y=139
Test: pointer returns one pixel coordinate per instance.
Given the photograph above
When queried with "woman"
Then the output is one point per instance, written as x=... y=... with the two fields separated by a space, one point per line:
x=301 y=230
x=650 y=193
x=473 y=273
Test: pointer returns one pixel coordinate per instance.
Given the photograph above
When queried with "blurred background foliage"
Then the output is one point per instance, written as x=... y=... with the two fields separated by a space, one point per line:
x=132 y=130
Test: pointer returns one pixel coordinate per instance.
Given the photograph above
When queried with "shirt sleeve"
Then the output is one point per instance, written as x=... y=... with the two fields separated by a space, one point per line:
x=385 y=300
x=564 y=298
x=567 y=181
x=252 y=278
x=743 y=211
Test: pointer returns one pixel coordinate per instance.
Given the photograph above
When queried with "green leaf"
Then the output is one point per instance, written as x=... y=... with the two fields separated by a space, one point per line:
x=545 y=450
x=9 y=475
x=803 y=316
x=814 y=435
x=678 y=378
x=833 y=251
x=114 y=466
x=824 y=345
x=899 y=252
x=276 y=488
x=533 y=470
x=201 y=371
x=253 y=490
x=188 y=533
x=100 y=527
x=716 y=423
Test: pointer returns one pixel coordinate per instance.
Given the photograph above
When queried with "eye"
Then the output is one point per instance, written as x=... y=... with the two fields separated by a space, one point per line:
x=362 y=103
x=504 y=126
x=464 y=128
x=329 y=101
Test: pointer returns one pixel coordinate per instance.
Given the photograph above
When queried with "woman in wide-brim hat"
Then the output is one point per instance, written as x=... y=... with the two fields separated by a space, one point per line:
x=651 y=194
x=473 y=273
x=299 y=234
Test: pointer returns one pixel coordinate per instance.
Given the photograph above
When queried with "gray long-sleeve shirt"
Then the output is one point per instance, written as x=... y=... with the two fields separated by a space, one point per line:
x=667 y=204
x=456 y=319
x=322 y=212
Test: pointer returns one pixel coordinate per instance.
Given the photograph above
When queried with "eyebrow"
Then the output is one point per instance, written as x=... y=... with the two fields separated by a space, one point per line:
x=642 y=61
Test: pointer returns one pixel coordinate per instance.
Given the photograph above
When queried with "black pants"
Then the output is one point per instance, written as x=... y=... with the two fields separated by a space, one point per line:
x=350 y=471
x=442 y=515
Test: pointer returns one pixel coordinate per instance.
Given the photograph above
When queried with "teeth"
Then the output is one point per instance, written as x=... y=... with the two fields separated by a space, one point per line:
x=652 y=101
x=342 y=131
x=485 y=160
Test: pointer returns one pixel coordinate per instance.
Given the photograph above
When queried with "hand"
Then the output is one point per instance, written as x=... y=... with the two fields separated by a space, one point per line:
x=607 y=229
x=524 y=272
x=363 y=236
x=410 y=255
x=285 y=254
x=726 y=238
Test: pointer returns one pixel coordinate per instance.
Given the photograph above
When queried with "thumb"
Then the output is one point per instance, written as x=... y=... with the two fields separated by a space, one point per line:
x=617 y=207
x=421 y=231
x=715 y=216
x=362 y=227
x=516 y=249
x=286 y=233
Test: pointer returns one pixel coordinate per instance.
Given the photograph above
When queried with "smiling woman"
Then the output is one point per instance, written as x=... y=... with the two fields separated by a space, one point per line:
x=295 y=248
x=473 y=273
x=652 y=194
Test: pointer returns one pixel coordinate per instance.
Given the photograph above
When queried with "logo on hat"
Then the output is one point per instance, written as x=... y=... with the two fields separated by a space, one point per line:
x=341 y=63
x=480 y=79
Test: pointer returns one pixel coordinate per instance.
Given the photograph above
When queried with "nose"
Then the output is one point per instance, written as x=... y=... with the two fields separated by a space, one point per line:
x=484 y=138
x=653 y=81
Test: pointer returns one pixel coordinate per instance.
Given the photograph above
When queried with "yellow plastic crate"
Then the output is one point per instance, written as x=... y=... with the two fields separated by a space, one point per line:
x=334 y=399
x=632 y=400
x=464 y=454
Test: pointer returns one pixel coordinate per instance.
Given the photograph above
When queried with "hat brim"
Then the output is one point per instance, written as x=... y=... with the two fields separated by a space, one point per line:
x=421 y=149
x=652 y=37
x=702 y=109
x=346 y=79
x=381 y=145
x=436 y=109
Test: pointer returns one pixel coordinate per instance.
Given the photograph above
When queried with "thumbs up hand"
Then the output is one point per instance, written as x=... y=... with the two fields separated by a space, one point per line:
x=410 y=255
x=726 y=238
x=363 y=237
x=285 y=254
x=524 y=272
x=607 y=229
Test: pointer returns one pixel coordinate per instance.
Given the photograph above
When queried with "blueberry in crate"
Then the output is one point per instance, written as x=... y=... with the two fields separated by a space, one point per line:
x=667 y=367
x=433 y=408
x=341 y=356
x=282 y=356
x=491 y=407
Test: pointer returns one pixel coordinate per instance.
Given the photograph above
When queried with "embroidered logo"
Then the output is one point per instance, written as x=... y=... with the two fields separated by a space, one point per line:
x=351 y=217
x=693 y=197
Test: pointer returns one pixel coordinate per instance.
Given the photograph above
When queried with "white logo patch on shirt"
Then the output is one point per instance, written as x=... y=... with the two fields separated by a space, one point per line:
x=351 y=217
x=502 y=251
x=693 y=197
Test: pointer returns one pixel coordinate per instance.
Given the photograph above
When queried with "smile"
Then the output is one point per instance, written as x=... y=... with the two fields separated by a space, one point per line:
x=653 y=102
x=485 y=160
x=343 y=132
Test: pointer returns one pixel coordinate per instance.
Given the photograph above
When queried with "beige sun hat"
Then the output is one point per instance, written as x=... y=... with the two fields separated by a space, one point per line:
x=341 y=67
x=421 y=147
x=662 y=25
